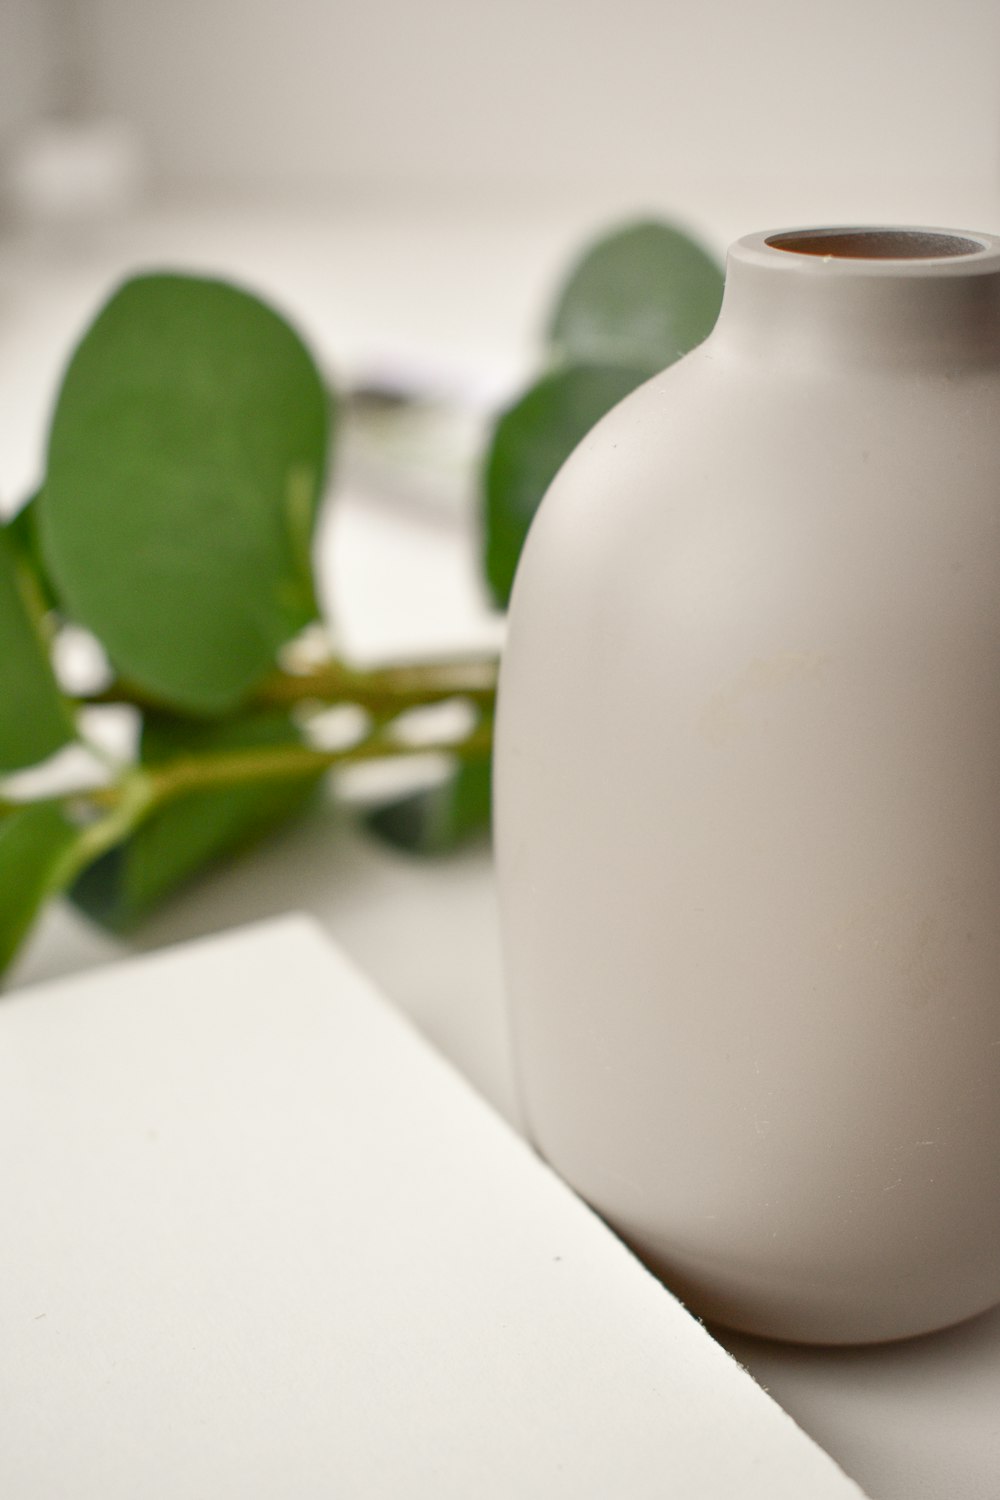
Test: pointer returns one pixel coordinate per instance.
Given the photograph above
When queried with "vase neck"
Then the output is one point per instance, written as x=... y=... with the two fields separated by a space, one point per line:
x=894 y=298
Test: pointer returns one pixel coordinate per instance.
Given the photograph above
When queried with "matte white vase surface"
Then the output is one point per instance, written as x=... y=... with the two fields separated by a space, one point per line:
x=748 y=797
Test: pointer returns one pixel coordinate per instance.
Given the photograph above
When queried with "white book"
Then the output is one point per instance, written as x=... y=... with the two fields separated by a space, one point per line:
x=260 y=1240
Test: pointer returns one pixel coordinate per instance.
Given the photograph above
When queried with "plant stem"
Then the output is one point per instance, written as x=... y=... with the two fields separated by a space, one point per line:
x=382 y=690
x=220 y=769
x=122 y=806
x=135 y=796
x=396 y=687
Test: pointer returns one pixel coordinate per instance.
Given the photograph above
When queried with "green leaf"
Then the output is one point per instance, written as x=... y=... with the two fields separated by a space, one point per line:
x=642 y=296
x=530 y=443
x=35 y=841
x=186 y=461
x=441 y=818
x=35 y=720
x=190 y=833
x=23 y=532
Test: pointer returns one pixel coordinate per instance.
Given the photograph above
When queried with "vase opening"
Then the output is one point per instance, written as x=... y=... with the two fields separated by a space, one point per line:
x=875 y=244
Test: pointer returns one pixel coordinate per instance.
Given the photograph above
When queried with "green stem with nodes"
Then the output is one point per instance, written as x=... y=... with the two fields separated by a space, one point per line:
x=381 y=690
x=134 y=800
x=393 y=688
x=220 y=769
x=96 y=820
x=197 y=773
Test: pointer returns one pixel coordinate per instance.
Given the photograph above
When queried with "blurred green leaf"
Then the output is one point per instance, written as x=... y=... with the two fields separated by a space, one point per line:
x=441 y=818
x=641 y=296
x=530 y=443
x=35 y=720
x=23 y=532
x=20 y=528
x=34 y=842
x=190 y=833
x=185 y=466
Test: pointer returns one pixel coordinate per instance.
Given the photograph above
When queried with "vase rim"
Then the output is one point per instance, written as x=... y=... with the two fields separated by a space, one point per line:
x=867 y=250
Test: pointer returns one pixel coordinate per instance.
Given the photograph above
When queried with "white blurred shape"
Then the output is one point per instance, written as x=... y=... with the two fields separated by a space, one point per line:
x=650 y=99
x=71 y=172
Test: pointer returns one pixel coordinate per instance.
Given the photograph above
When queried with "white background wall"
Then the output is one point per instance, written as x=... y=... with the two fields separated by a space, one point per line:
x=650 y=97
x=31 y=58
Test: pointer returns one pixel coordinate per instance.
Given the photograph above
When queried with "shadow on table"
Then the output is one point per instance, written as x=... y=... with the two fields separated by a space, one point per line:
x=913 y=1420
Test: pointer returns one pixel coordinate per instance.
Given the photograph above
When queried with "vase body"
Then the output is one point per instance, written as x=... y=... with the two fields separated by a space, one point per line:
x=748 y=799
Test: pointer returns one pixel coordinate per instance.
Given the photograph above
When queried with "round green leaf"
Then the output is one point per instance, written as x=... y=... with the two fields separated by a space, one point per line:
x=35 y=720
x=35 y=841
x=185 y=465
x=530 y=444
x=642 y=296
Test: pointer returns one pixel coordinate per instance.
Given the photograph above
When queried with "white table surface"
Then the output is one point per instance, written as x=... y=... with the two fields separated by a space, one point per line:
x=266 y=1242
x=914 y=1421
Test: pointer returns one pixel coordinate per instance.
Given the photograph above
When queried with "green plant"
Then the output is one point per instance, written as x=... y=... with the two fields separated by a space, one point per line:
x=188 y=455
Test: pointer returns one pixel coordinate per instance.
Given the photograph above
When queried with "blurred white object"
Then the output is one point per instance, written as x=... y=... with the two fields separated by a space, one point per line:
x=66 y=172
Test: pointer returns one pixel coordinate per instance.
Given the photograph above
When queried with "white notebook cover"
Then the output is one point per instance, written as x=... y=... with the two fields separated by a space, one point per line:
x=259 y=1240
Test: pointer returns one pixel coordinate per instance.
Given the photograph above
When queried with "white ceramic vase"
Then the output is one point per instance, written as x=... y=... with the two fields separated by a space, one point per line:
x=748 y=797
